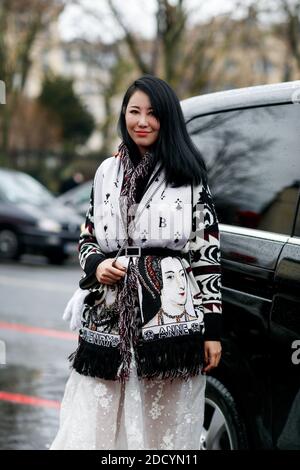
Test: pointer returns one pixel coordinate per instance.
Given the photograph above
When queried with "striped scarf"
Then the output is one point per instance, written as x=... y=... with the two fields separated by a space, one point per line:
x=128 y=325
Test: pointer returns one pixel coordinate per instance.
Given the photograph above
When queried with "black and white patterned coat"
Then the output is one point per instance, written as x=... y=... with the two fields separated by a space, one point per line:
x=182 y=219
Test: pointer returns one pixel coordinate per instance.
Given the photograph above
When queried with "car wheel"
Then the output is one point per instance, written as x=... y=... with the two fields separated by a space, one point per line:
x=223 y=427
x=9 y=244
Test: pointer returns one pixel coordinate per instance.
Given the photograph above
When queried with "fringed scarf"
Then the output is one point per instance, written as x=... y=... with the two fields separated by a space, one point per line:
x=164 y=328
x=129 y=334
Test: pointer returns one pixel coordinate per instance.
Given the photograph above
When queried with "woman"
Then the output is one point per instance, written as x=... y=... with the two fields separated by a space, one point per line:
x=133 y=387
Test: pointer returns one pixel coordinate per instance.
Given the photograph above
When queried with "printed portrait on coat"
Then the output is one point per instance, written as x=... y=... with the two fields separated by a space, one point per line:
x=165 y=295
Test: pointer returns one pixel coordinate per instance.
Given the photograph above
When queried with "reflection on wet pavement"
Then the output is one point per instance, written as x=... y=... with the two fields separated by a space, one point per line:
x=36 y=363
x=26 y=427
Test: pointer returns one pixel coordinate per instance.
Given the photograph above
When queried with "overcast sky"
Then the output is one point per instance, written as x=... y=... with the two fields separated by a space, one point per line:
x=138 y=14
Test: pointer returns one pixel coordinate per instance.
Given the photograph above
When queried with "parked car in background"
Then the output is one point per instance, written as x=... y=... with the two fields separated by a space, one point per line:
x=78 y=198
x=250 y=139
x=33 y=221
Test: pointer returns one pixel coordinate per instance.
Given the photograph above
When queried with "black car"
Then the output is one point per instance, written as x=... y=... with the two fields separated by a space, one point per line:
x=250 y=139
x=33 y=221
x=77 y=198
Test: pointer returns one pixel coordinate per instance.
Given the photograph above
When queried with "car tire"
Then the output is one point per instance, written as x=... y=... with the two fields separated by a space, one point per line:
x=223 y=427
x=10 y=247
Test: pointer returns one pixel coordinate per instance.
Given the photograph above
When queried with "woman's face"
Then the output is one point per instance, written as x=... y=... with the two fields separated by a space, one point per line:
x=142 y=125
x=174 y=282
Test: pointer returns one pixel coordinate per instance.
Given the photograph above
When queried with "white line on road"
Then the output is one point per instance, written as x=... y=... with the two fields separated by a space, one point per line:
x=33 y=284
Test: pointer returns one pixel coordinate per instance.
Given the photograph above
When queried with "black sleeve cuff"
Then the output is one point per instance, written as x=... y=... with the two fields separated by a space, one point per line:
x=213 y=326
x=90 y=281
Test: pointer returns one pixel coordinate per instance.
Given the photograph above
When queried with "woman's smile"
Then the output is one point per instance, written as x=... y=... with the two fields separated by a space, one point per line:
x=142 y=133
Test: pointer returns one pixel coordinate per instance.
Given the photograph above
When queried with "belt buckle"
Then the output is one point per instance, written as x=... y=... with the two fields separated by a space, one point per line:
x=132 y=251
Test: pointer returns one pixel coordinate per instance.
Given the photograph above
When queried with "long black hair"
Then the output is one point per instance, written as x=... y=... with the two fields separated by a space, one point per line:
x=182 y=161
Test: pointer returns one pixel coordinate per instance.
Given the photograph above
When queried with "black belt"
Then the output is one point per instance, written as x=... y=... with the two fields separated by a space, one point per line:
x=139 y=251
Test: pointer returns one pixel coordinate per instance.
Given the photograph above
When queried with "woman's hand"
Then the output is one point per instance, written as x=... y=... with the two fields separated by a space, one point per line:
x=107 y=273
x=212 y=355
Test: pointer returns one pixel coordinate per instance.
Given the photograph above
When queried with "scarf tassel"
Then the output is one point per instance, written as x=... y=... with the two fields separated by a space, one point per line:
x=180 y=357
x=96 y=361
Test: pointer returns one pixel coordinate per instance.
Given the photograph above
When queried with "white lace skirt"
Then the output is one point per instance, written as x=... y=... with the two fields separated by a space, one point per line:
x=140 y=414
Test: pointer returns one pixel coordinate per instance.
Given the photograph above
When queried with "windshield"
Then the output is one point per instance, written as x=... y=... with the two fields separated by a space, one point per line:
x=22 y=188
x=79 y=195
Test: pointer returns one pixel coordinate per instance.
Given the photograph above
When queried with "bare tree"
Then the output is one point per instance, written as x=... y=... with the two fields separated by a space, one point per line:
x=213 y=54
x=284 y=23
x=28 y=115
x=20 y=25
x=181 y=55
x=290 y=28
x=109 y=89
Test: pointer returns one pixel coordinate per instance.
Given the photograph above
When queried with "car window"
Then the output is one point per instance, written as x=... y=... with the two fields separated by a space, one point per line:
x=22 y=188
x=83 y=194
x=253 y=160
x=77 y=196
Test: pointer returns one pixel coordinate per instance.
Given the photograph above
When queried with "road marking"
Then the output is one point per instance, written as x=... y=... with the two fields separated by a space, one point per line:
x=38 y=331
x=21 y=399
x=33 y=284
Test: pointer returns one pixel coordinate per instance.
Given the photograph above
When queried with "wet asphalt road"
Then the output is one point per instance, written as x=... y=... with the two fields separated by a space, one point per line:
x=33 y=294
